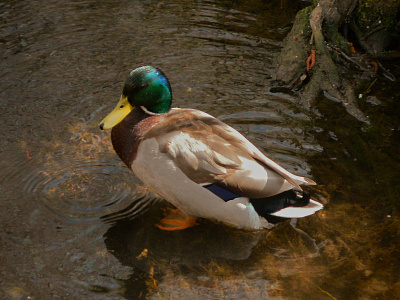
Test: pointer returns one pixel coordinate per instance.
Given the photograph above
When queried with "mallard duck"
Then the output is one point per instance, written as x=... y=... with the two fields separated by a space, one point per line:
x=202 y=166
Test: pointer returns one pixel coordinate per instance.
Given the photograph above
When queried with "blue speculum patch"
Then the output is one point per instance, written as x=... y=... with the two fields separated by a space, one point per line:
x=224 y=194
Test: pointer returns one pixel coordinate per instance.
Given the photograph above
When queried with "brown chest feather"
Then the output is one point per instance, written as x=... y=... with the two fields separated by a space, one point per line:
x=127 y=135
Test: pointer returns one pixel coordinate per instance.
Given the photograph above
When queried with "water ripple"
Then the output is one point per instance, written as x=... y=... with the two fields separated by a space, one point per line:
x=78 y=189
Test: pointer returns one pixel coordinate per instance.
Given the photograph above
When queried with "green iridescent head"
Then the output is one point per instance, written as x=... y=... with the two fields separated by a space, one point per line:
x=148 y=87
x=145 y=87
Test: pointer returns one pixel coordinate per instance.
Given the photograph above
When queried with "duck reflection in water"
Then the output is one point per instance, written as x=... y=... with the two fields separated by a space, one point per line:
x=152 y=253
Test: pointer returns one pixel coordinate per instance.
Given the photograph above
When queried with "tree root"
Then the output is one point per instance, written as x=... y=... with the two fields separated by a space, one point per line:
x=317 y=73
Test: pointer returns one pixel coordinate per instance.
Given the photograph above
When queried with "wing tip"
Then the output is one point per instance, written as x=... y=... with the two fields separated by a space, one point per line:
x=308 y=181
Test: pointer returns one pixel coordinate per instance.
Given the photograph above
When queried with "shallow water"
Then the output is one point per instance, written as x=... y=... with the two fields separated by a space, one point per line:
x=77 y=224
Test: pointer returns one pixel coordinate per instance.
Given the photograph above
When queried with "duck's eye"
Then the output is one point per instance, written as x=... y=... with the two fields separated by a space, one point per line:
x=143 y=86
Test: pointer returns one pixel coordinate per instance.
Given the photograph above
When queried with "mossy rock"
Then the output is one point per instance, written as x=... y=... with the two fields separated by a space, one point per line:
x=289 y=66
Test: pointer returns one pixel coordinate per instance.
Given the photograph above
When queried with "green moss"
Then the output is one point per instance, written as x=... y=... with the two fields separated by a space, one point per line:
x=303 y=19
x=291 y=61
x=377 y=12
x=337 y=39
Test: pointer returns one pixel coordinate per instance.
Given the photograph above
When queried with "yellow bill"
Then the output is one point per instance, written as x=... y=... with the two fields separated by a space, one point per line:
x=122 y=109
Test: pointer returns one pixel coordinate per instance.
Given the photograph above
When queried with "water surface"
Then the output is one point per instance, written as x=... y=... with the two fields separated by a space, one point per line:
x=77 y=224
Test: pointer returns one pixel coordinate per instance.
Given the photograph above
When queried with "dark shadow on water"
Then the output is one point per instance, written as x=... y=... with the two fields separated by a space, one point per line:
x=153 y=253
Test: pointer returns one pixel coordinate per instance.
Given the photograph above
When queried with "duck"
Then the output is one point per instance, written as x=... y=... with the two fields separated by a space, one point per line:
x=200 y=165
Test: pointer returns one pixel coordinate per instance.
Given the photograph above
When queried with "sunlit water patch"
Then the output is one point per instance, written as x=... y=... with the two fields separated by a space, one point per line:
x=87 y=190
x=80 y=180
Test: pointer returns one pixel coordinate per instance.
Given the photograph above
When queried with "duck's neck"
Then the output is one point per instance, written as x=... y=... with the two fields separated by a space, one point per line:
x=127 y=135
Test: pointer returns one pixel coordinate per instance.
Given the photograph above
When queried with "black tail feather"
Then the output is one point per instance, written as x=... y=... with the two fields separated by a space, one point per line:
x=266 y=206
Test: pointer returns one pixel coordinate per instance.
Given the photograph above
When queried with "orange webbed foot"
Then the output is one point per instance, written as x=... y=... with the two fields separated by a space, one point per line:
x=176 y=220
